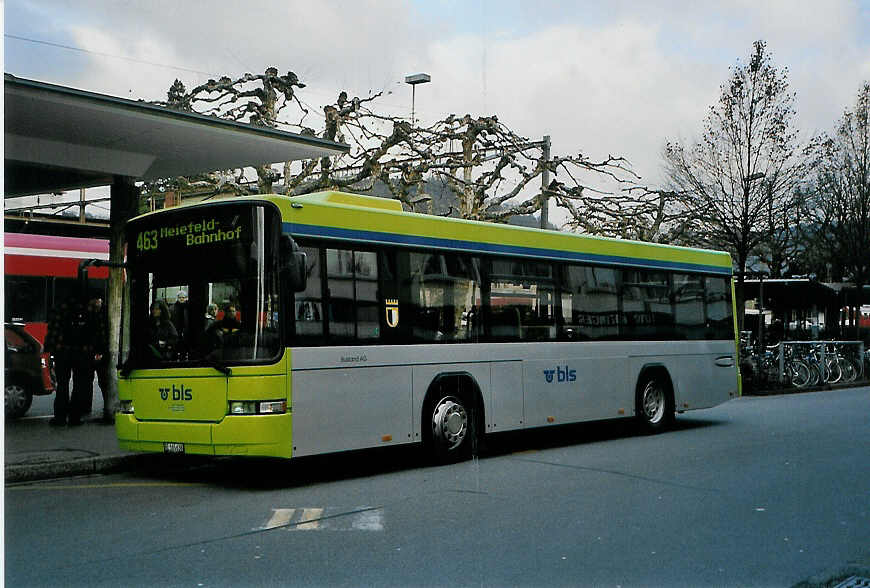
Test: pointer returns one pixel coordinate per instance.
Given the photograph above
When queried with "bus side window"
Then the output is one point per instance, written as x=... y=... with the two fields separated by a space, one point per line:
x=522 y=299
x=445 y=297
x=689 y=306
x=352 y=283
x=25 y=299
x=646 y=305
x=308 y=305
x=590 y=307
x=368 y=324
x=719 y=323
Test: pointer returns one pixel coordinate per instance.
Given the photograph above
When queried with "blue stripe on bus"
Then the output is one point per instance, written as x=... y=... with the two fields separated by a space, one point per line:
x=301 y=230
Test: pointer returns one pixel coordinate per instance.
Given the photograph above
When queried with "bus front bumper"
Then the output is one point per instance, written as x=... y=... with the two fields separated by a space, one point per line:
x=251 y=435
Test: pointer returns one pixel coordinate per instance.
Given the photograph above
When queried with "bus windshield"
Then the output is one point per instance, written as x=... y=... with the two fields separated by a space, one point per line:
x=204 y=287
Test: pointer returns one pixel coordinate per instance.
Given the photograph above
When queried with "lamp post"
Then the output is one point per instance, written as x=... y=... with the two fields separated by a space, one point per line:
x=414 y=79
x=746 y=182
x=545 y=182
x=761 y=314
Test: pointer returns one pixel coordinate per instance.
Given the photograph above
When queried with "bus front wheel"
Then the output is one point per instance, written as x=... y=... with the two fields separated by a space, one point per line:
x=655 y=401
x=451 y=428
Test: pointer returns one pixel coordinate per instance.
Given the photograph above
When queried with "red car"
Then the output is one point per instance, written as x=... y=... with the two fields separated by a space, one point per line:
x=28 y=371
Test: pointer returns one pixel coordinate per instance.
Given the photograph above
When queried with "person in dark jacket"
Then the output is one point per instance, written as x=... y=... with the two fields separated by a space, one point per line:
x=181 y=320
x=162 y=335
x=100 y=319
x=73 y=341
x=210 y=315
x=224 y=332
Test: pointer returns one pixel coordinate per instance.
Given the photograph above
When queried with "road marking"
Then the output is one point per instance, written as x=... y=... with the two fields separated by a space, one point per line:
x=363 y=518
x=280 y=517
x=310 y=519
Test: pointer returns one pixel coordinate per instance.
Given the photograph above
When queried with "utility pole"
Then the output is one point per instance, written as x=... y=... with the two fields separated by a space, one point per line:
x=82 y=204
x=545 y=182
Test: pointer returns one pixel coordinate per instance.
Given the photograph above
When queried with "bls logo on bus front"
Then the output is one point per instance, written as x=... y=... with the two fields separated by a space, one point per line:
x=177 y=393
x=560 y=375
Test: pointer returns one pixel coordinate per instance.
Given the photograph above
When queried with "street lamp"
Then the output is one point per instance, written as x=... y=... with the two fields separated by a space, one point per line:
x=746 y=181
x=414 y=79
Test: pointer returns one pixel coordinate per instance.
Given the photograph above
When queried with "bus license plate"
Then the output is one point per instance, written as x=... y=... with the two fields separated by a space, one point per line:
x=173 y=448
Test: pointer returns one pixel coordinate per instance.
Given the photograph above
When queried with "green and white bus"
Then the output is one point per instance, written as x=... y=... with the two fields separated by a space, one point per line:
x=345 y=323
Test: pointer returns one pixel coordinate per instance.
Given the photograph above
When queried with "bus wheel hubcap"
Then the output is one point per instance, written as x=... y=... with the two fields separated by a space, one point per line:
x=449 y=423
x=653 y=402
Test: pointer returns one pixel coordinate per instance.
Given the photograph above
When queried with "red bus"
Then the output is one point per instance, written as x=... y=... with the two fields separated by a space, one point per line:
x=41 y=271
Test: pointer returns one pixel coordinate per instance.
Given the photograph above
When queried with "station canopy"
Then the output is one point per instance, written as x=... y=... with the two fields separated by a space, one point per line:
x=59 y=138
x=792 y=293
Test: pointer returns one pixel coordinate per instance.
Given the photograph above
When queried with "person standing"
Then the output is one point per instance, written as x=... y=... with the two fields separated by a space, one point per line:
x=99 y=321
x=181 y=320
x=70 y=340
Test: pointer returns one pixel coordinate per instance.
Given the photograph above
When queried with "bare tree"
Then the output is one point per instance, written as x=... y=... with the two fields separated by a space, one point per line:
x=636 y=212
x=782 y=245
x=256 y=99
x=488 y=168
x=738 y=180
x=841 y=207
x=492 y=172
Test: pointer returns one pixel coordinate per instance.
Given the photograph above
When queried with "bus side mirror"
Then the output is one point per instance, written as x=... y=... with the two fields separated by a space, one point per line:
x=293 y=268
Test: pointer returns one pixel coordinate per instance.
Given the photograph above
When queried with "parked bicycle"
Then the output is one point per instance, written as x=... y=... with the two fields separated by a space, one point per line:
x=804 y=364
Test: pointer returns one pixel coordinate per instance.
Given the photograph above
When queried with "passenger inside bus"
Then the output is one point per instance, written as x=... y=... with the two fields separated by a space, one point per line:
x=210 y=315
x=181 y=321
x=224 y=332
x=162 y=335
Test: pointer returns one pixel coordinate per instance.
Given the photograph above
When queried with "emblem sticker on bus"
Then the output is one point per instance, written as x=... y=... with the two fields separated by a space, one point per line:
x=392 y=310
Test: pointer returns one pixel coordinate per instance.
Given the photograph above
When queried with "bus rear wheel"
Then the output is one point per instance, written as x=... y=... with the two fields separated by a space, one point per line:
x=451 y=428
x=655 y=402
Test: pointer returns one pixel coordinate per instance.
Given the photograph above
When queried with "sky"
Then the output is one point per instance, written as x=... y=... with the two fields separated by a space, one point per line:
x=601 y=78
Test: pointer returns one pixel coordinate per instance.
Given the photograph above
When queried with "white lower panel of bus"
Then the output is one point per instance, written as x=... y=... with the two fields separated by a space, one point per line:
x=354 y=398
x=576 y=389
x=350 y=408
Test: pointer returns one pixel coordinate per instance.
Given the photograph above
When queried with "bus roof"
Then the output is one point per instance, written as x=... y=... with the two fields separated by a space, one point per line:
x=341 y=216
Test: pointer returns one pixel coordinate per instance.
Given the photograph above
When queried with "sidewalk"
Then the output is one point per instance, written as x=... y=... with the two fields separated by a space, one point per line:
x=36 y=451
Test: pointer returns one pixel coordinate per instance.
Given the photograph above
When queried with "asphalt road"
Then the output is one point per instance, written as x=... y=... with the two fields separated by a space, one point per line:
x=761 y=491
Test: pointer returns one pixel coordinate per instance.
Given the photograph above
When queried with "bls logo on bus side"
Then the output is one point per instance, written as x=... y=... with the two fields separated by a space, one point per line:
x=561 y=375
x=176 y=392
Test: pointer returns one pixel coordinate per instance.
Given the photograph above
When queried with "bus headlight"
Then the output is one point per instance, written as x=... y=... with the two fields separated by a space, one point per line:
x=241 y=407
x=126 y=407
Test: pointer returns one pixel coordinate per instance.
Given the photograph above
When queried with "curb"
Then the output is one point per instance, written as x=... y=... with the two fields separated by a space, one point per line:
x=74 y=467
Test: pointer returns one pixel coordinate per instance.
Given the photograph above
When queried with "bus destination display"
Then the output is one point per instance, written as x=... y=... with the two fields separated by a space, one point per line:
x=191 y=234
